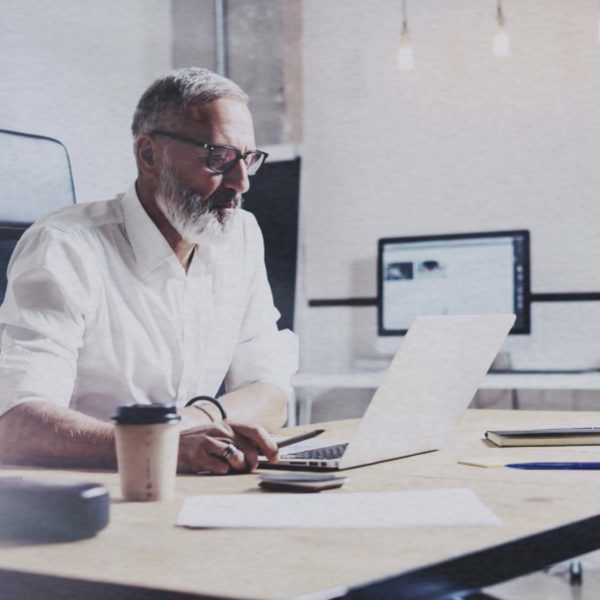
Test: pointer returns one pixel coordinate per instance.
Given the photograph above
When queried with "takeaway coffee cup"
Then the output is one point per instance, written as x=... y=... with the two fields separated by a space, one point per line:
x=147 y=440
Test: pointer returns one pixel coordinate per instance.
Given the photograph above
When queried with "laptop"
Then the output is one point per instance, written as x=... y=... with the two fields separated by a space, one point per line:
x=427 y=388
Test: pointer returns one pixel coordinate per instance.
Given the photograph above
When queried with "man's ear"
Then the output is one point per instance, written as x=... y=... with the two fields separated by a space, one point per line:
x=148 y=156
x=145 y=155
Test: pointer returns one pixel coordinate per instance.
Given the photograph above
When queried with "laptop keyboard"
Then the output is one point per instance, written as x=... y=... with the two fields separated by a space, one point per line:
x=327 y=452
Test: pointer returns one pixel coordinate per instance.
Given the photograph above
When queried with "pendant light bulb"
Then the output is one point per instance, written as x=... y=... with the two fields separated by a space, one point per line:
x=406 y=56
x=501 y=44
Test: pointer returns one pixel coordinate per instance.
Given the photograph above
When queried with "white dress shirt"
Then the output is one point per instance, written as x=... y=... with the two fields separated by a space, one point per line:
x=99 y=312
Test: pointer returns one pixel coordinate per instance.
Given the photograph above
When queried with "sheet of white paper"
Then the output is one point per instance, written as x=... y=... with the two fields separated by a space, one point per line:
x=412 y=508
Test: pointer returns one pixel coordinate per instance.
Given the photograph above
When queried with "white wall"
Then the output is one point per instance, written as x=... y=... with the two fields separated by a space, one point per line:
x=465 y=142
x=75 y=70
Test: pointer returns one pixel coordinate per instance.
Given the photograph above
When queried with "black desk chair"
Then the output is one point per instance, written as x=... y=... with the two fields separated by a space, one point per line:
x=35 y=179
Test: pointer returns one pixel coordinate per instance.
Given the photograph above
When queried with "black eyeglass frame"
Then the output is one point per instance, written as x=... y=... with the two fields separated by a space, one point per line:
x=261 y=156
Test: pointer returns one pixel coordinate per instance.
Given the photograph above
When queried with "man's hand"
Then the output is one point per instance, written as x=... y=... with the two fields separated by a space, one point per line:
x=224 y=447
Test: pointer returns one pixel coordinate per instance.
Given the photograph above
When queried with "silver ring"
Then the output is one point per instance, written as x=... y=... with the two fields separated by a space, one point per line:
x=229 y=450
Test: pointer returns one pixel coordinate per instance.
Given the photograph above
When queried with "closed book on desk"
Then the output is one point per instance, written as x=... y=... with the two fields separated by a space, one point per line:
x=564 y=436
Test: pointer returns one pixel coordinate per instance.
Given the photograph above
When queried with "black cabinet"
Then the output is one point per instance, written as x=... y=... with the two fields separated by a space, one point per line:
x=273 y=199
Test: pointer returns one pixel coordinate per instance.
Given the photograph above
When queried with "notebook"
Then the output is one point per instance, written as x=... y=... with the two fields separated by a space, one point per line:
x=428 y=386
x=567 y=436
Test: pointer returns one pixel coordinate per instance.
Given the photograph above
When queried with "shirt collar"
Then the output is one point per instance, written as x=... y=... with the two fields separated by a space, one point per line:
x=150 y=247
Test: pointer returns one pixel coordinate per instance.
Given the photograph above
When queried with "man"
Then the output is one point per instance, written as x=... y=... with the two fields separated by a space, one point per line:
x=155 y=296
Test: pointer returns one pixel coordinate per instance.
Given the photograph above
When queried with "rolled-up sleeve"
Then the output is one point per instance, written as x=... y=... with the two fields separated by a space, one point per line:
x=42 y=319
x=263 y=354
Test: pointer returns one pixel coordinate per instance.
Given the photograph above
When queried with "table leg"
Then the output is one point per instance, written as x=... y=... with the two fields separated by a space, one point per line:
x=292 y=407
x=304 y=401
x=514 y=399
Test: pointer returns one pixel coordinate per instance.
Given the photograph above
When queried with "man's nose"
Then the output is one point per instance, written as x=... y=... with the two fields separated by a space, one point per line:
x=237 y=178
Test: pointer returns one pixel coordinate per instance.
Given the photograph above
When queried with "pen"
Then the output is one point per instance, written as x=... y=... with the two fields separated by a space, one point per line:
x=567 y=466
x=299 y=438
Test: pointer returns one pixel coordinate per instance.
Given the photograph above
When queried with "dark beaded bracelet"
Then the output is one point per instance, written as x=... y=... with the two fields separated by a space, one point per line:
x=211 y=400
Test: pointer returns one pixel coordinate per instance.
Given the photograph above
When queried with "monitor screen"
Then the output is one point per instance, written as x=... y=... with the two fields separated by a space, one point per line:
x=9 y=236
x=471 y=273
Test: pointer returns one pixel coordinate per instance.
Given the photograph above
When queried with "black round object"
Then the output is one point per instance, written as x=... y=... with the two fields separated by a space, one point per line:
x=146 y=414
x=38 y=511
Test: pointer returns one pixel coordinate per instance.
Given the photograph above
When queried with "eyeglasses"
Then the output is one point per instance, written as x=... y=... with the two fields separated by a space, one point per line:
x=221 y=159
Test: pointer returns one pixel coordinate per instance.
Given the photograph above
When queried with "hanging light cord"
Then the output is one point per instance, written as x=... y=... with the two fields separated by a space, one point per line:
x=500 y=13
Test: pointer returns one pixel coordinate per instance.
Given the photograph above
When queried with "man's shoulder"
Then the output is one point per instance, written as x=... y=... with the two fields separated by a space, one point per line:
x=87 y=217
x=82 y=228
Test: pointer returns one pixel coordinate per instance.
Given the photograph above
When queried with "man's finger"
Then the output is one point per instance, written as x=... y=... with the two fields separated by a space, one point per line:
x=225 y=450
x=206 y=462
x=250 y=452
x=259 y=437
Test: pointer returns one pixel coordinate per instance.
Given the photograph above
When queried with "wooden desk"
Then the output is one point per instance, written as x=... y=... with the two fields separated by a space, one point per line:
x=142 y=548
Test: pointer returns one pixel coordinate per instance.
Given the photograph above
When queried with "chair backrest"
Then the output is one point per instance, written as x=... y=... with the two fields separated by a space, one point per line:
x=35 y=176
x=35 y=179
x=9 y=236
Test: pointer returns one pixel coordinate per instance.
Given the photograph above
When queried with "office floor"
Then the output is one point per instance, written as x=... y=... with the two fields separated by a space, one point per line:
x=543 y=587
x=554 y=584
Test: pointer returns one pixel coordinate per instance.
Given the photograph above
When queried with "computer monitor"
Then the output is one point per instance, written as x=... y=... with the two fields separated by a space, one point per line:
x=9 y=236
x=466 y=273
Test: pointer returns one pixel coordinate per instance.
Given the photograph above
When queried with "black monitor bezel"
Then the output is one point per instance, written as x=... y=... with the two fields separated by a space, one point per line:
x=524 y=329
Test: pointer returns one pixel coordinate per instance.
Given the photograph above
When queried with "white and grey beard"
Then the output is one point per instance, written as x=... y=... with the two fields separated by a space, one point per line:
x=197 y=219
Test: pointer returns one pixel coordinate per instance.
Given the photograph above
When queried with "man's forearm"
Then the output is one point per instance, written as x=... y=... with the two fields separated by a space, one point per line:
x=260 y=403
x=41 y=433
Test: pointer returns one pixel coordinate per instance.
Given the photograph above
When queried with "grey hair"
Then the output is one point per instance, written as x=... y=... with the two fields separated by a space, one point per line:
x=168 y=97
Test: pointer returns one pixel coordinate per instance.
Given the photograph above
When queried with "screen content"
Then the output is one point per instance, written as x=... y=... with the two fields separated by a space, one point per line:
x=453 y=275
